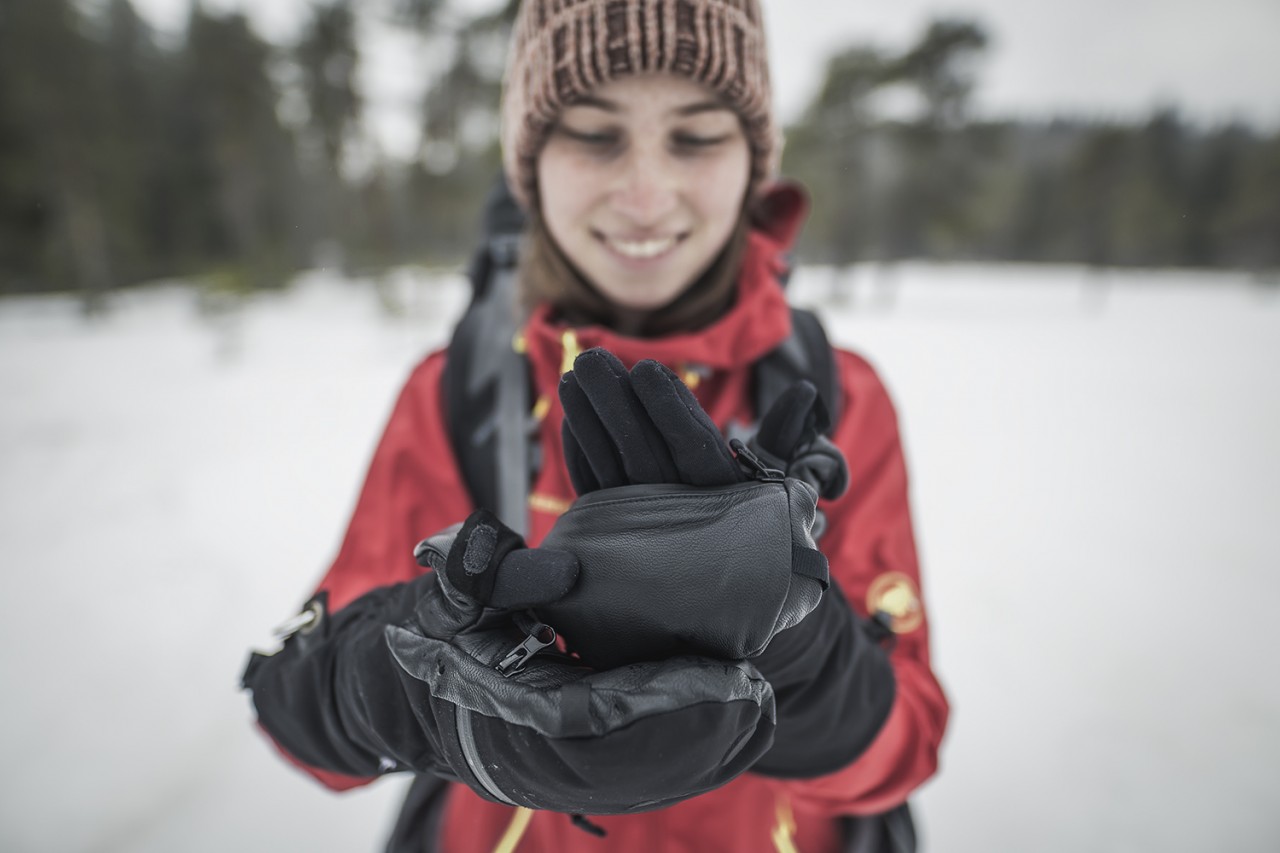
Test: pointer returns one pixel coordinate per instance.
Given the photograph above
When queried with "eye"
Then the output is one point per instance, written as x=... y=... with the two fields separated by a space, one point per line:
x=697 y=142
x=592 y=139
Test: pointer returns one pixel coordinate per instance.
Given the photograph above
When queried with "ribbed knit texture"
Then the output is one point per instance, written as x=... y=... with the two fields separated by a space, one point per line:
x=563 y=49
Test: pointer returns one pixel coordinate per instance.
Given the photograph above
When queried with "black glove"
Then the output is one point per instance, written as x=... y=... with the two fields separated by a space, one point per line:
x=681 y=552
x=792 y=437
x=433 y=680
x=834 y=683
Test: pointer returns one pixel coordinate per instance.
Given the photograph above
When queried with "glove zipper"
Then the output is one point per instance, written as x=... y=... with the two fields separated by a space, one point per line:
x=540 y=636
x=754 y=464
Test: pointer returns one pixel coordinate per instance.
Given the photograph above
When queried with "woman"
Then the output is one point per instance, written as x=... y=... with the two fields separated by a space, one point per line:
x=639 y=139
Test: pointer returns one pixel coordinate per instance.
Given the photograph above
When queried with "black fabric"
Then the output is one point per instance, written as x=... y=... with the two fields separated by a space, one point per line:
x=310 y=696
x=805 y=354
x=792 y=437
x=645 y=426
x=834 y=686
x=407 y=678
x=473 y=569
x=893 y=831
x=418 y=828
x=470 y=384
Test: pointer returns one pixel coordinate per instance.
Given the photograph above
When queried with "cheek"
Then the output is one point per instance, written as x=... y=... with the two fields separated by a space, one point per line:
x=721 y=187
x=561 y=189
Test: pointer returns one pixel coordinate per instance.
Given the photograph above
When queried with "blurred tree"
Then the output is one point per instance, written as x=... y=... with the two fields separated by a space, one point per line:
x=460 y=158
x=238 y=163
x=832 y=146
x=123 y=159
x=1214 y=180
x=1151 y=209
x=52 y=200
x=328 y=57
x=1249 y=226
x=942 y=66
x=421 y=15
x=1094 y=177
x=899 y=188
x=131 y=144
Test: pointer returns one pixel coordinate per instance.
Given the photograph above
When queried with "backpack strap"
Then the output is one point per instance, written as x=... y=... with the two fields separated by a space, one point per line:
x=486 y=389
x=805 y=354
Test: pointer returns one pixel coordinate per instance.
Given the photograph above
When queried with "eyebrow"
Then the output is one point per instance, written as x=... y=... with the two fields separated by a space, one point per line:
x=608 y=106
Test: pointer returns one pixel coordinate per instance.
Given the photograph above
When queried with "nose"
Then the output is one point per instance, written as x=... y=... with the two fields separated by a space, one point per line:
x=647 y=189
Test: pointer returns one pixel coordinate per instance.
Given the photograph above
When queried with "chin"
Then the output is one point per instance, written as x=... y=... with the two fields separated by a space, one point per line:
x=647 y=301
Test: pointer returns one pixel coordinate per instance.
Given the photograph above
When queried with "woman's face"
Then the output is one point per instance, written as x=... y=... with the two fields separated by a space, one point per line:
x=641 y=186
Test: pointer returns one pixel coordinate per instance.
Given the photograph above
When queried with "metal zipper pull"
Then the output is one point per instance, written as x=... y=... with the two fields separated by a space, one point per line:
x=305 y=622
x=761 y=471
x=541 y=636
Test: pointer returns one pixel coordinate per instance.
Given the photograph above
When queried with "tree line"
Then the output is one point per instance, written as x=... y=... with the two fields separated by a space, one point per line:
x=223 y=158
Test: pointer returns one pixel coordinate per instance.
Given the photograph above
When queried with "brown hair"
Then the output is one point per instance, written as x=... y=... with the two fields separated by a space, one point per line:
x=547 y=275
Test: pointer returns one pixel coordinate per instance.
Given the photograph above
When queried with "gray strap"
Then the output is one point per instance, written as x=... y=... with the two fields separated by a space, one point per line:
x=513 y=425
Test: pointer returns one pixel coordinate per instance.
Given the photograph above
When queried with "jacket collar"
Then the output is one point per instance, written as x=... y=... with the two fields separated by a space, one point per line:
x=757 y=322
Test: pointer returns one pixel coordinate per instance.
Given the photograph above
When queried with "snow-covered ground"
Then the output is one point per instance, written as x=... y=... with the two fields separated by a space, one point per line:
x=1096 y=474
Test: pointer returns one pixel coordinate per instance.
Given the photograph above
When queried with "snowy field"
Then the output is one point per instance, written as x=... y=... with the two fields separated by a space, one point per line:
x=1096 y=475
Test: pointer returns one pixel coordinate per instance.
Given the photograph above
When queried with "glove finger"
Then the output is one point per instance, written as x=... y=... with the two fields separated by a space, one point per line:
x=471 y=568
x=575 y=459
x=791 y=420
x=532 y=576
x=489 y=565
x=701 y=456
x=599 y=455
x=640 y=446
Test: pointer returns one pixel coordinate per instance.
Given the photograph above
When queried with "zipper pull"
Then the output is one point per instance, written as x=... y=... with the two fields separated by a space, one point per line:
x=541 y=636
x=759 y=470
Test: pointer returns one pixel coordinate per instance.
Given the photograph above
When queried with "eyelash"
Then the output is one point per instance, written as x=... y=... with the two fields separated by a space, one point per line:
x=603 y=141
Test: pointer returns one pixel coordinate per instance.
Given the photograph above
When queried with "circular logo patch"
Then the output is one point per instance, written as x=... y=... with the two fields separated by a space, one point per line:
x=896 y=594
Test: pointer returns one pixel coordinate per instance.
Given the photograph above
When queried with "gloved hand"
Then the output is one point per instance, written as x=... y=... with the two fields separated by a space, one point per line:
x=792 y=437
x=464 y=689
x=686 y=576
x=834 y=683
x=681 y=551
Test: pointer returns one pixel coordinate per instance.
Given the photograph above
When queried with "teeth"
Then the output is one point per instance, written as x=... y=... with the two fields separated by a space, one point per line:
x=641 y=249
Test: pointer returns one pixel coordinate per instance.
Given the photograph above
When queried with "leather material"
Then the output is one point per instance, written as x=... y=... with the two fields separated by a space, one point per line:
x=557 y=735
x=671 y=570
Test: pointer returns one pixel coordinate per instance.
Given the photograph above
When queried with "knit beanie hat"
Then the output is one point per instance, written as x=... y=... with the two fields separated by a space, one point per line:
x=563 y=49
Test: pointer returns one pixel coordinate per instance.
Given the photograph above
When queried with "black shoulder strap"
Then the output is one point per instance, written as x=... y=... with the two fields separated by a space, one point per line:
x=486 y=383
x=486 y=397
x=805 y=354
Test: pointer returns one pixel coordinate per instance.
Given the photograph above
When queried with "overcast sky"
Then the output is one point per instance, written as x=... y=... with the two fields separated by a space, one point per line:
x=1217 y=60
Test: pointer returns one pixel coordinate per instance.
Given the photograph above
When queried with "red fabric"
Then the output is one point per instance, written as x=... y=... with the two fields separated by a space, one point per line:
x=414 y=488
x=332 y=781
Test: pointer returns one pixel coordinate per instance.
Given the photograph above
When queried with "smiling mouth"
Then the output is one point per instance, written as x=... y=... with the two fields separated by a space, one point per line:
x=640 y=250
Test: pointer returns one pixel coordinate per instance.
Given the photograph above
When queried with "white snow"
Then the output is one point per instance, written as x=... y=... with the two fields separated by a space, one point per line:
x=1096 y=476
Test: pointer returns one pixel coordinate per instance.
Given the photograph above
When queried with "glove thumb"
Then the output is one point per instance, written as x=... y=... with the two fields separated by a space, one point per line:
x=792 y=437
x=482 y=562
x=796 y=418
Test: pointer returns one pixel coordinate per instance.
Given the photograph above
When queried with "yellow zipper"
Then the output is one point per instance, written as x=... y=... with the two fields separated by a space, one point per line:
x=785 y=832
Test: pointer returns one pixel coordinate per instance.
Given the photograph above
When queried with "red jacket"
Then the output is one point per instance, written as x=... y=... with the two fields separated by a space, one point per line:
x=414 y=488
